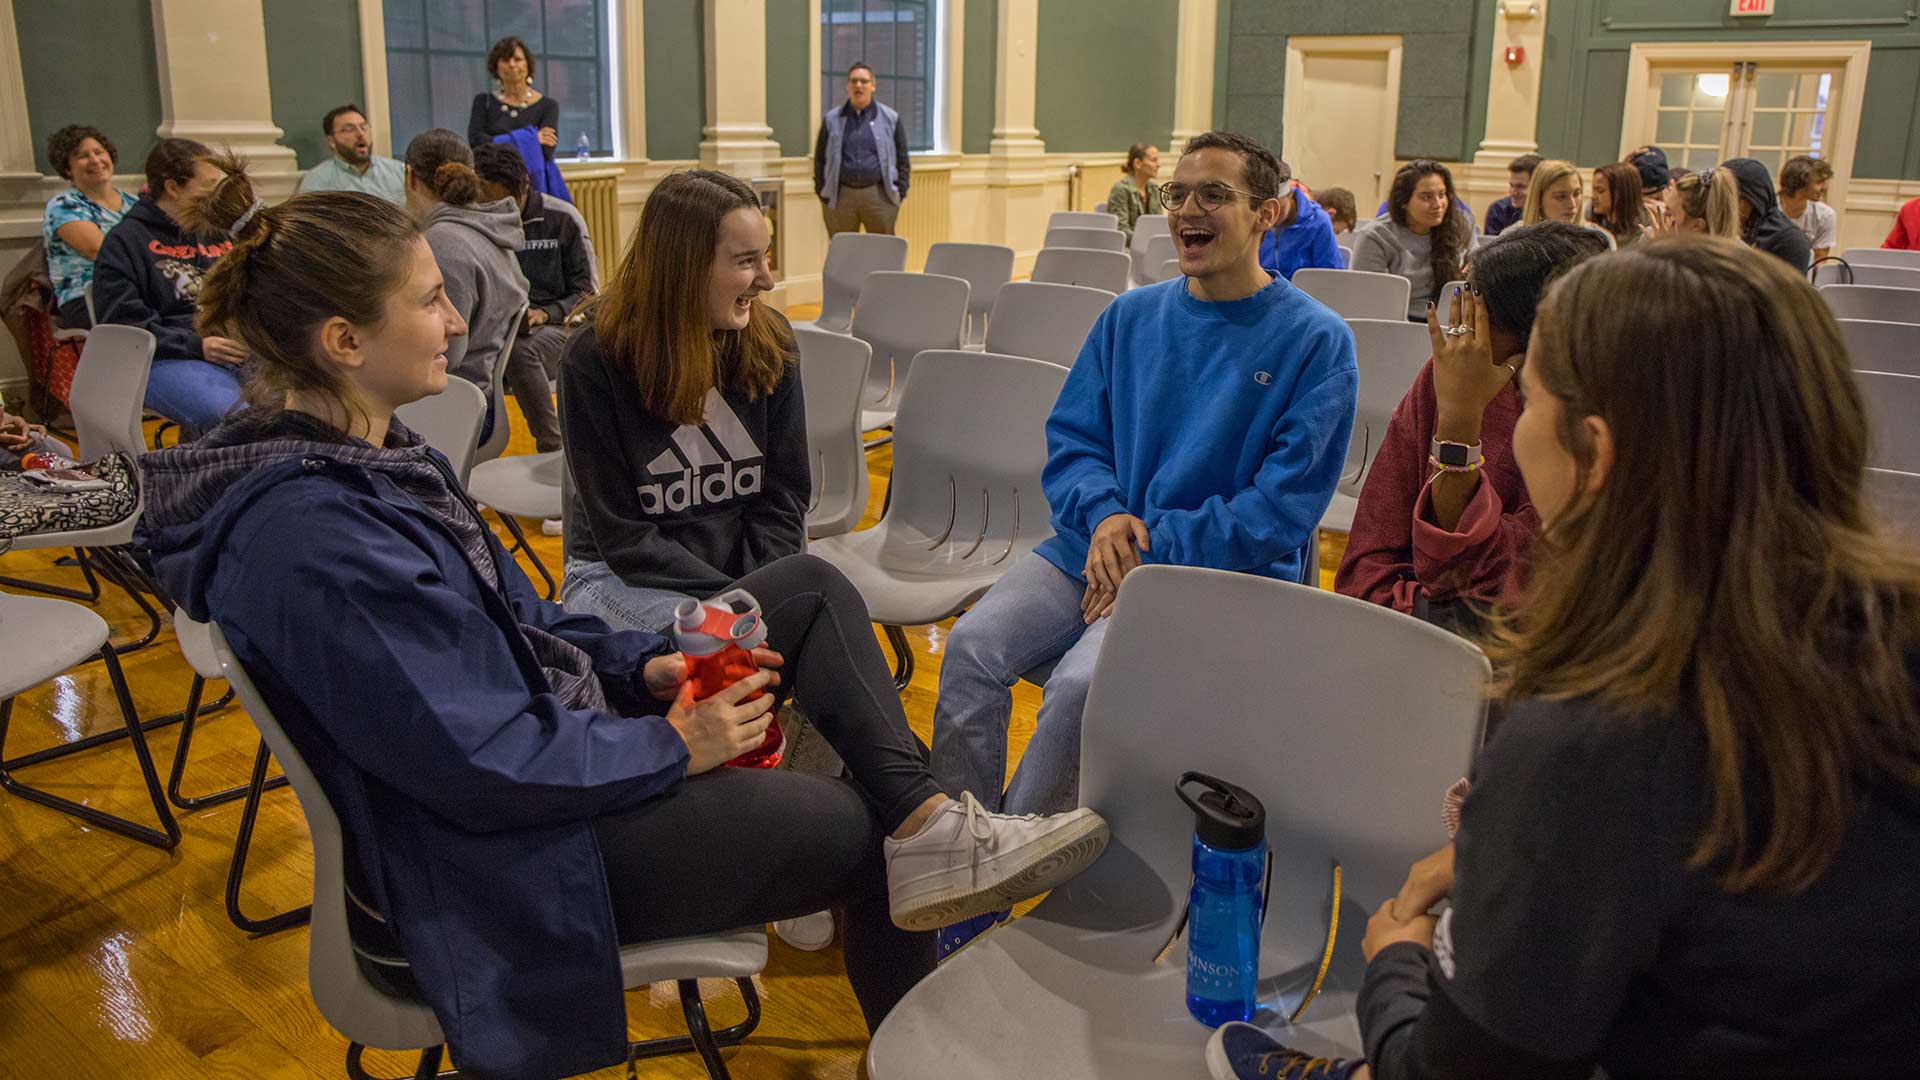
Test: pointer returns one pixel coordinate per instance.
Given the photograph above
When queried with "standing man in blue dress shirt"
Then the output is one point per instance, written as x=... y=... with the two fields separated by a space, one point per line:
x=860 y=165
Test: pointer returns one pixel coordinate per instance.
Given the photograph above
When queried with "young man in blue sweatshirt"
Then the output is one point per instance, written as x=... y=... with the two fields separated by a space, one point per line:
x=1204 y=424
x=1304 y=236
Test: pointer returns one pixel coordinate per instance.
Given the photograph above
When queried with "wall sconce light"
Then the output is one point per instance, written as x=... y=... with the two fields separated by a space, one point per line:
x=1519 y=9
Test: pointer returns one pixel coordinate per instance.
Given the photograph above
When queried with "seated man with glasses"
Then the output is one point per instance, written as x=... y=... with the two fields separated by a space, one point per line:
x=1204 y=424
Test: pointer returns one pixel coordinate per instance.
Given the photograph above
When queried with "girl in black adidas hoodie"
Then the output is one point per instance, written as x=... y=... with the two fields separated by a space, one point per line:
x=684 y=426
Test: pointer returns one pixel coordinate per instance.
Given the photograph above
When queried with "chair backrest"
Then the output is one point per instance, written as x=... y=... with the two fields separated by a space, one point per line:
x=450 y=422
x=850 y=258
x=985 y=267
x=87 y=293
x=1145 y=228
x=1868 y=273
x=969 y=444
x=110 y=389
x=496 y=443
x=1107 y=270
x=196 y=644
x=833 y=378
x=1883 y=346
x=1350 y=766
x=1390 y=353
x=1044 y=321
x=1893 y=415
x=1159 y=251
x=1356 y=294
x=1895 y=496
x=1169 y=270
x=902 y=315
x=1878 y=302
x=1072 y=236
x=350 y=1002
x=1345 y=241
x=1882 y=257
x=1098 y=219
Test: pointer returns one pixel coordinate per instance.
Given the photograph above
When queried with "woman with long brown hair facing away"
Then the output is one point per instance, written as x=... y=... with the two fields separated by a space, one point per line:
x=523 y=788
x=1688 y=848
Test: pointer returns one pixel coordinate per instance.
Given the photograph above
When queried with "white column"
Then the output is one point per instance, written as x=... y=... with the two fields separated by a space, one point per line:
x=630 y=82
x=736 y=137
x=16 y=136
x=1513 y=90
x=1014 y=133
x=1193 y=69
x=213 y=80
x=373 y=75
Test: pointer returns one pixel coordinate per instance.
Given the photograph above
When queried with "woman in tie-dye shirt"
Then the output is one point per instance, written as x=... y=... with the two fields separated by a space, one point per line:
x=78 y=219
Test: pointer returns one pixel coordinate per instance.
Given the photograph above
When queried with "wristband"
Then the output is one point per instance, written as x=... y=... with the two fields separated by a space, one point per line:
x=1441 y=466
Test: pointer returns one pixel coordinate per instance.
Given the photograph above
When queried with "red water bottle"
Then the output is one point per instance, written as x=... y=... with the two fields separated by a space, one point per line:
x=718 y=639
x=38 y=460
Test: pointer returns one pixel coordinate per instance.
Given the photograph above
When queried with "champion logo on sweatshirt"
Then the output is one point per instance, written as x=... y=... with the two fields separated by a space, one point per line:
x=706 y=464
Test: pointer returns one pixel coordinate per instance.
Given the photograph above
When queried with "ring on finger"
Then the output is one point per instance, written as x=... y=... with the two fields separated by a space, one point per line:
x=1459 y=331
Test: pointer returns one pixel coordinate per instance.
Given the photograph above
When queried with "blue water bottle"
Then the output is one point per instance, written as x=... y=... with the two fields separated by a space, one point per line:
x=1228 y=899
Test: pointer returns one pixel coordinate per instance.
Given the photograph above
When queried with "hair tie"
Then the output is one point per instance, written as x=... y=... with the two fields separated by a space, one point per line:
x=240 y=222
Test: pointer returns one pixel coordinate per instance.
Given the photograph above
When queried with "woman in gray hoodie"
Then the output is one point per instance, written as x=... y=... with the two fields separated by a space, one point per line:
x=477 y=246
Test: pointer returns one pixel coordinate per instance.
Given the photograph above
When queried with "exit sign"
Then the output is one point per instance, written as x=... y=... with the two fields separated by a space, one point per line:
x=1753 y=7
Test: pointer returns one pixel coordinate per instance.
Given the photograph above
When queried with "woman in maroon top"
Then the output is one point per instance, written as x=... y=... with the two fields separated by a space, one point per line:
x=1447 y=545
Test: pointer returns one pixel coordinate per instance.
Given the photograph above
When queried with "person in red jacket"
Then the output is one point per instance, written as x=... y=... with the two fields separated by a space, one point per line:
x=1906 y=228
x=1444 y=522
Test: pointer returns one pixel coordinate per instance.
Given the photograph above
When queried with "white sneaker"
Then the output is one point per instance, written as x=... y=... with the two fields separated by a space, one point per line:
x=966 y=861
x=550 y=527
x=808 y=933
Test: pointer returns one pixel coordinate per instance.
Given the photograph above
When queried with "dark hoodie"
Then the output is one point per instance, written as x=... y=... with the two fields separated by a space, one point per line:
x=448 y=712
x=1767 y=226
x=148 y=275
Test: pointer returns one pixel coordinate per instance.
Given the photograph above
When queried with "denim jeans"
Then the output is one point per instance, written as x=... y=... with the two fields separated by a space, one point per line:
x=588 y=587
x=1030 y=616
x=195 y=394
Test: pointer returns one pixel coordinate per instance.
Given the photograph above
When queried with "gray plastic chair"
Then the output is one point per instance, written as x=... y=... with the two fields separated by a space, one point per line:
x=1882 y=257
x=1350 y=766
x=1160 y=251
x=986 y=267
x=1107 y=270
x=1357 y=294
x=1044 y=321
x=1390 y=353
x=1868 y=273
x=1895 y=496
x=450 y=422
x=964 y=503
x=1073 y=236
x=833 y=378
x=850 y=258
x=524 y=485
x=1101 y=208
x=42 y=638
x=1169 y=270
x=1145 y=228
x=496 y=443
x=1081 y=219
x=1893 y=409
x=902 y=315
x=1883 y=346
x=1877 y=302
x=370 y=1016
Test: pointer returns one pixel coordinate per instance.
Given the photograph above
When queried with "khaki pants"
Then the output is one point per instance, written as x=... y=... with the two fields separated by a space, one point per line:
x=867 y=206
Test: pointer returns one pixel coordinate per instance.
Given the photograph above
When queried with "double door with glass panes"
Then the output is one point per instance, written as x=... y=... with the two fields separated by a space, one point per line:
x=1765 y=111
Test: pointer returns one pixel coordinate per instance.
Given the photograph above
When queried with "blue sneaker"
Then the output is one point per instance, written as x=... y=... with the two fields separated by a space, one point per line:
x=954 y=936
x=1240 y=1051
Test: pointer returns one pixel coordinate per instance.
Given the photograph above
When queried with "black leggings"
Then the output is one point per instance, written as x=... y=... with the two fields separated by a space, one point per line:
x=739 y=847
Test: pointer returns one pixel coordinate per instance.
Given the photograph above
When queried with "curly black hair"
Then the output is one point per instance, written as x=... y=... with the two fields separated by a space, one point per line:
x=61 y=145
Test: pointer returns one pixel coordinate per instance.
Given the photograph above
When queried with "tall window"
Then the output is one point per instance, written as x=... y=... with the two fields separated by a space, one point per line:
x=437 y=62
x=897 y=38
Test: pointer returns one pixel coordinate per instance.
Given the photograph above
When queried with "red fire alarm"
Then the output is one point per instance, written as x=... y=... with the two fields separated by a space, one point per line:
x=1516 y=54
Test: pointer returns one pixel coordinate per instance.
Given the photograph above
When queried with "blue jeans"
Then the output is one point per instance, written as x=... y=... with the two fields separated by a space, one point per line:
x=1030 y=616
x=588 y=587
x=195 y=394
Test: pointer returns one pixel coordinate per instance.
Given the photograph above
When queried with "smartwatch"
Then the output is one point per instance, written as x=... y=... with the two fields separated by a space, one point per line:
x=1455 y=455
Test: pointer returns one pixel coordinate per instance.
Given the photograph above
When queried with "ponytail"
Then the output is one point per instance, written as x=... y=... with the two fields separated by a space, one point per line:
x=1713 y=197
x=456 y=184
x=442 y=163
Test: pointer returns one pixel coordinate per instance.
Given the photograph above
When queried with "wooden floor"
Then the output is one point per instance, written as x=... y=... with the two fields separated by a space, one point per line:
x=117 y=960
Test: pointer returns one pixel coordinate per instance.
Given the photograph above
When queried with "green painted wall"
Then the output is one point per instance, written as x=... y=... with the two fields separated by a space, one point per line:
x=1584 y=88
x=106 y=76
x=1443 y=70
x=976 y=82
x=313 y=64
x=676 y=78
x=1222 y=40
x=1105 y=73
x=787 y=77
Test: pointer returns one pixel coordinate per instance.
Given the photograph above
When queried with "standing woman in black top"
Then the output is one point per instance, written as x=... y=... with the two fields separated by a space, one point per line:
x=685 y=431
x=513 y=103
x=1689 y=848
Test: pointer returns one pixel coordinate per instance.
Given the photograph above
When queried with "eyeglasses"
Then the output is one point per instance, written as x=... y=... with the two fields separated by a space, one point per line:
x=1212 y=195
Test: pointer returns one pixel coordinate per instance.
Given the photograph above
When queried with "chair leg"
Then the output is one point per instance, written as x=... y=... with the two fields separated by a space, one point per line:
x=428 y=1069
x=90 y=596
x=164 y=838
x=902 y=656
x=700 y=1037
x=189 y=715
x=520 y=544
x=272 y=924
x=120 y=569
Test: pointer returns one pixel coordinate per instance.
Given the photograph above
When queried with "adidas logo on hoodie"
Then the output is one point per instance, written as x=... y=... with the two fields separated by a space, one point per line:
x=705 y=465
